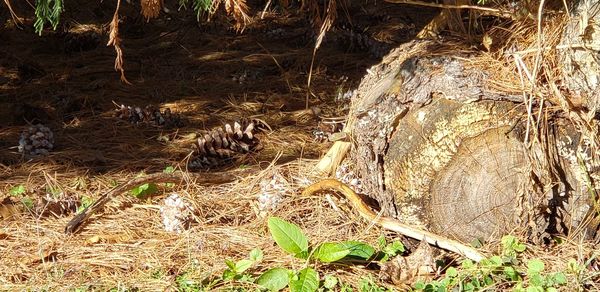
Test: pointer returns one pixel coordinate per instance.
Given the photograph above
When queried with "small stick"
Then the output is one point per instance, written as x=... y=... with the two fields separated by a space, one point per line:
x=392 y=224
x=206 y=178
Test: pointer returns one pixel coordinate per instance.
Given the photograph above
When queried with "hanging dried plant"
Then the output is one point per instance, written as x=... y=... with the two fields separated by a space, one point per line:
x=151 y=8
x=239 y=10
x=115 y=40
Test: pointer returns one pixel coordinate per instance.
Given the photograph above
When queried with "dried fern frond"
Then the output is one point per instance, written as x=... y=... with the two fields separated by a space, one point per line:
x=151 y=8
x=115 y=41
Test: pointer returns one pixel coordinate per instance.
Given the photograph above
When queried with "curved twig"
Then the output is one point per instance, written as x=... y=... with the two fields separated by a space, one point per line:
x=392 y=224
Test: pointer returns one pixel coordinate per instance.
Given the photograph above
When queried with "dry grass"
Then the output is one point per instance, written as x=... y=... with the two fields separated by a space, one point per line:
x=126 y=246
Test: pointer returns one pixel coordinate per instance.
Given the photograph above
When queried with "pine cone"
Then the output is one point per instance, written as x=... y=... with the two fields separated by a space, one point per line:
x=36 y=140
x=149 y=115
x=219 y=146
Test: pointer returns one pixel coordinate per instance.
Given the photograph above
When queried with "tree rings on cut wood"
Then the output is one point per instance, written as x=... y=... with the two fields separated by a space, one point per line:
x=456 y=168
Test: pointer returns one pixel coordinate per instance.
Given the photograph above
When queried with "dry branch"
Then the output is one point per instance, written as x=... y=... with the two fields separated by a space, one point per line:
x=391 y=224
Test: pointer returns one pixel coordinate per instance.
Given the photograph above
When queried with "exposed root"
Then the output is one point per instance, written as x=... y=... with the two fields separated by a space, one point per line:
x=392 y=224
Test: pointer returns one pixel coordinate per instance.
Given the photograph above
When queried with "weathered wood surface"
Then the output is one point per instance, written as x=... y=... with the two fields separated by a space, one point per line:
x=439 y=150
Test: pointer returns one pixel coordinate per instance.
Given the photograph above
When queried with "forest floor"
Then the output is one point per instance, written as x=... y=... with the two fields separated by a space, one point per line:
x=208 y=74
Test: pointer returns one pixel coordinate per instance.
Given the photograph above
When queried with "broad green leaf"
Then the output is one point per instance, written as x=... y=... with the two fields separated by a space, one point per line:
x=534 y=266
x=496 y=261
x=560 y=278
x=536 y=280
x=358 y=249
x=393 y=248
x=144 y=190
x=274 y=279
x=519 y=247
x=288 y=236
x=451 y=272
x=511 y=273
x=256 y=255
x=330 y=252
x=307 y=281
x=169 y=169
x=242 y=265
x=18 y=190
x=467 y=264
x=330 y=282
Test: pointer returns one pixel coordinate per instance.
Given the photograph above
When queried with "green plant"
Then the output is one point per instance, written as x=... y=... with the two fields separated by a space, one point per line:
x=186 y=284
x=236 y=270
x=20 y=193
x=85 y=202
x=45 y=13
x=390 y=249
x=501 y=272
x=144 y=190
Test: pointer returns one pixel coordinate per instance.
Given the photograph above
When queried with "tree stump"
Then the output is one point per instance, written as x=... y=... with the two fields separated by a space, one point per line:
x=436 y=148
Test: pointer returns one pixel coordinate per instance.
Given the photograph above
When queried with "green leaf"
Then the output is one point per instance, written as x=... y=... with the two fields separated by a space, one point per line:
x=560 y=278
x=17 y=191
x=535 y=289
x=230 y=264
x=256 y=255
x=534 y=266
x=519 y=247
x=28 y=202
x=169 y=169
x=274 y=279
x=229 y=275
x=330 y=282
x=511 y=273
x=330 y=252
x=536 y=280
x=467 y=264
x=496 y=261
x=394 y=248
x=381 y=242
x=85 y=202
x=242 y=265
x=144 y=190
x=288 y=236
x=358 y=249
x=451 y=272
x=307 y=281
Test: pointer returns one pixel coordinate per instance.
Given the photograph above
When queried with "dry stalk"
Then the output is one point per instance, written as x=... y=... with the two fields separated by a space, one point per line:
x=14 y=16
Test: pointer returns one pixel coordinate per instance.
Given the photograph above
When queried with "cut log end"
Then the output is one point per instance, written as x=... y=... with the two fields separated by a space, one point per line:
x=476 y=195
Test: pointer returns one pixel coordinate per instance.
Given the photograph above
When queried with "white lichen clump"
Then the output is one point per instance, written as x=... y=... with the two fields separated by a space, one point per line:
x=272 y=190
x=347 y=176
x=36 y=140
x=176 y=213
